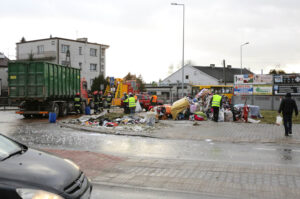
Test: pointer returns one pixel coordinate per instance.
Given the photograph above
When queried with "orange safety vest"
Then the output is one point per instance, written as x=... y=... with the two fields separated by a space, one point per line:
x=154 y=98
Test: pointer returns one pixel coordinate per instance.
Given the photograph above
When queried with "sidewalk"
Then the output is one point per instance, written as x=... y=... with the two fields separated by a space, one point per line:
x=205 y=177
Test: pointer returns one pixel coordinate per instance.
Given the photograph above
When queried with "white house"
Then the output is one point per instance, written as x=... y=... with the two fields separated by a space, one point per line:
x=170 y=88
x=89 y=57
x=204 y=75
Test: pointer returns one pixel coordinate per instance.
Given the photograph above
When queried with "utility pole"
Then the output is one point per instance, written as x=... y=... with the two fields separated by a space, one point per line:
x=224 y=72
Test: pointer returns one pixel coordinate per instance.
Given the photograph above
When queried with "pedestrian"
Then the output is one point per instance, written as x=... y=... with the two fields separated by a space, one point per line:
x=216 y=102
x=77 y=103
x=132 y=104
x=287 y=106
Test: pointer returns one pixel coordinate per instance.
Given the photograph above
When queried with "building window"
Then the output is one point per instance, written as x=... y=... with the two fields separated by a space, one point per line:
x=80 y=65
x=186 y=77
x=53 y=43
x=93 y=67
x=102 y=68
x=93 y=52
x=65 y=48
x=102 y=52
x=80 y=50
x=40 y=49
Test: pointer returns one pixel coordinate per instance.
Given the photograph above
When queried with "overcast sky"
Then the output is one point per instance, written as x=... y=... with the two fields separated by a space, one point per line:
x=145 y=36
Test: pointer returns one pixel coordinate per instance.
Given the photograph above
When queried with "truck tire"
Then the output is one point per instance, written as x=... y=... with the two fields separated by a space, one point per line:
x=55 y=109
x=27 y=116
x=63 y=110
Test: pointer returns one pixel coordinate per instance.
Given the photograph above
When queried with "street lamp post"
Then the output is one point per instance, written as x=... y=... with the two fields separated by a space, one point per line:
x=179 y=4
x=241 y=51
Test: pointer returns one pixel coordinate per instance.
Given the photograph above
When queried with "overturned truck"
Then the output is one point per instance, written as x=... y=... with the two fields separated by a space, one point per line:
x=42 y=87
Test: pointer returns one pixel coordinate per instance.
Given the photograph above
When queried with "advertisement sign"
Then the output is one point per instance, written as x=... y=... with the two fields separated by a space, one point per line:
x=263 y=79
x=243 y=90
x=262 y=90
x=287 y=79
x=283 y=89
x=244 y=79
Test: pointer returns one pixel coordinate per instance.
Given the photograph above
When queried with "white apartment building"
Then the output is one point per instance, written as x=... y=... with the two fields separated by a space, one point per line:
x=89 y=57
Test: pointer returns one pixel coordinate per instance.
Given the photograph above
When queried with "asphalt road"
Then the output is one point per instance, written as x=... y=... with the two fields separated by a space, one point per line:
x=39 y=133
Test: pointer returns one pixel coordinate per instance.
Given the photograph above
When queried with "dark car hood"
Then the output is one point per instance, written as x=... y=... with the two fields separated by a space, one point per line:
x=38 y=169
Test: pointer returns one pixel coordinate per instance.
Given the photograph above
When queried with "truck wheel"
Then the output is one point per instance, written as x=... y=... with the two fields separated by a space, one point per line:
x=27 y=116
x=55 y=109
x=63 y=110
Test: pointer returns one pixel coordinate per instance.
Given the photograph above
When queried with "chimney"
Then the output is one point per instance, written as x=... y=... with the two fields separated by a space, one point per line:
x=212 y=65
x=229 y=66
x=84 y=39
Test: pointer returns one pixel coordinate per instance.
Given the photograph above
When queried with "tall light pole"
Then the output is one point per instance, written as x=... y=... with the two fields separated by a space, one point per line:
x=179 y=4
x=242 y=56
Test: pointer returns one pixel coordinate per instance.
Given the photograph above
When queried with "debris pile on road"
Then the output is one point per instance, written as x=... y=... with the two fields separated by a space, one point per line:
x=199 y=109
x=119 y=121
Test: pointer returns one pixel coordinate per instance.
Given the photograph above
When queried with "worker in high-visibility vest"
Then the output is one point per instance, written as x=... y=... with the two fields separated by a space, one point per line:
x=96 y=102
x=125 y=103
x=132 y=103
x=100 y=98
x=153 y=100
x=216 y=102
x=108 y=100
x=77 y=103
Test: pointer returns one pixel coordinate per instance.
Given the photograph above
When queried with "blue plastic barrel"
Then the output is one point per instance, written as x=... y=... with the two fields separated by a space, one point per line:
x=87 y=110
x=52 y=117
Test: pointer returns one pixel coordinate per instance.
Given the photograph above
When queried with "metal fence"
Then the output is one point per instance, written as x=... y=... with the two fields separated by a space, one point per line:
x=265 y=102
x=7 y=104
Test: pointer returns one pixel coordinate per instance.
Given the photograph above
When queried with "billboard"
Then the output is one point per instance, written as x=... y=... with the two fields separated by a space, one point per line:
x=262 y=90
x=263 y=79
x=243 y=89
x=253 y=79
x=244 y=79
x=283 y=89
x=287 y=79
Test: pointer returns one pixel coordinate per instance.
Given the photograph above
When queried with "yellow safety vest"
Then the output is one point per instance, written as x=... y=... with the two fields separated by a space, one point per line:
x=216 y=101
x=132 y=102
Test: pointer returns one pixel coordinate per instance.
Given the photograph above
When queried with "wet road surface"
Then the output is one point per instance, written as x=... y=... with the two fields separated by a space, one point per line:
x=41 y=134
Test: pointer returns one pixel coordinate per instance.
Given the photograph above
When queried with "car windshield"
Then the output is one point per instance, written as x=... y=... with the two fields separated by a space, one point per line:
x=8 y=147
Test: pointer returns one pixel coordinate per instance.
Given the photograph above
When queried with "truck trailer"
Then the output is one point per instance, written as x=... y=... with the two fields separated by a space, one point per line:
x=43 y=87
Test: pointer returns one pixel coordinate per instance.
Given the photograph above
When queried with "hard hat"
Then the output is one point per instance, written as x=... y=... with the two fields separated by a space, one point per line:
x=77 y=93
x=100 y=92
x=95 y=92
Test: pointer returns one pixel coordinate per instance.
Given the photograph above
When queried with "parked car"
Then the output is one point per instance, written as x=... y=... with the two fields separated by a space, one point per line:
x=27 y=173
